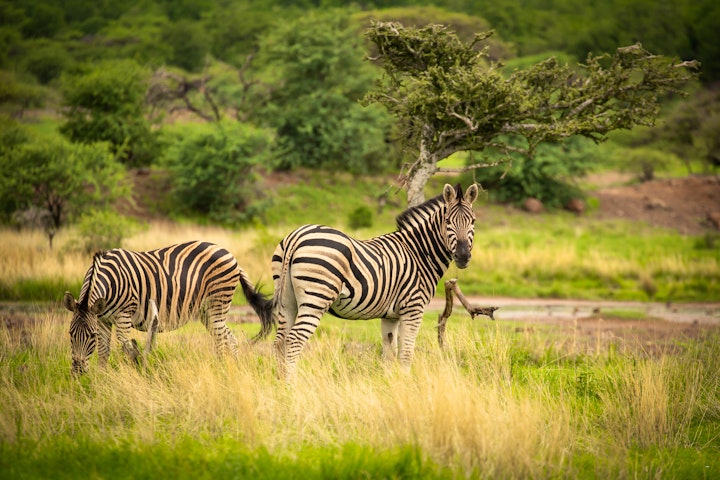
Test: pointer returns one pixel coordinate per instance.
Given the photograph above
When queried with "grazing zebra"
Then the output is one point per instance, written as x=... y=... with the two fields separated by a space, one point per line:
x=317 y=269
x=157 y=290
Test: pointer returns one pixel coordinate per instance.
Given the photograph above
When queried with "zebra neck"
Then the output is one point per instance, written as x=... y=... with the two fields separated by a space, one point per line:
x=427 y=239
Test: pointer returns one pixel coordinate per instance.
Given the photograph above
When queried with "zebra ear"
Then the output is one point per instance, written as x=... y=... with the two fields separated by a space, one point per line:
x=98 y=306
x=69 y=301
x=471 y=193
x=449 y=194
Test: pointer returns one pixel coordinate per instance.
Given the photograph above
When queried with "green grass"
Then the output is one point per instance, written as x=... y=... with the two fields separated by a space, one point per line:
x=210 y=459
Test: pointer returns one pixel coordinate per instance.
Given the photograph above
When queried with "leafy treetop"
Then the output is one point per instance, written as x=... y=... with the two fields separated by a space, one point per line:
x=447 y=96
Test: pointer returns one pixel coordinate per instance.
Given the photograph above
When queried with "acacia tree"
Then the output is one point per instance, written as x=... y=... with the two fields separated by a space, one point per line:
x=447 y=97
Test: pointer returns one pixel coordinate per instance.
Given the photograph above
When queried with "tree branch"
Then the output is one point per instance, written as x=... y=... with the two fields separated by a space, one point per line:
x=450 y=288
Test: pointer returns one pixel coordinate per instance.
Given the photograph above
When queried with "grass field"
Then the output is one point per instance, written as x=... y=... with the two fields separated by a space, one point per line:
x=501 y=401
x=498 y=402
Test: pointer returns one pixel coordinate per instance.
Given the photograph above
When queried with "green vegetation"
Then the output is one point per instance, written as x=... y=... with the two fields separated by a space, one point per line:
x=211 y=170
x=497 y=402
x=106 y=104
x=112 y=71
x=65 y=179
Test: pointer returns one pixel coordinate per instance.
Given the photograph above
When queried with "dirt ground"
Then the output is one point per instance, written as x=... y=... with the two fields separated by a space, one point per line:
x=690 y=205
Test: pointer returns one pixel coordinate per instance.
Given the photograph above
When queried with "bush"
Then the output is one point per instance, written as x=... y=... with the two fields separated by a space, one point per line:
x=644 y=162
x=63 y=178
x=549 y=176
x=48 y=62
x=361 y=217
x=107 y=103
x=103 y=230
x=211 y=169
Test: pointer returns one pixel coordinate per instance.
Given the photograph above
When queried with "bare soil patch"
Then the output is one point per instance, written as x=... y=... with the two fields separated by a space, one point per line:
x=687 y=205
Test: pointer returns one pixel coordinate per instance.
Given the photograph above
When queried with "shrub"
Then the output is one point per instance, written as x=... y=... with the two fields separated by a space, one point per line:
x=103 y=230
x=106 y=103
x=361 y=217
x=48 y=62
x=211 y=168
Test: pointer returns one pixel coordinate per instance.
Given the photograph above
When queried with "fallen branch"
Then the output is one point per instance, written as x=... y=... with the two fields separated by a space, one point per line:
x=450 y=287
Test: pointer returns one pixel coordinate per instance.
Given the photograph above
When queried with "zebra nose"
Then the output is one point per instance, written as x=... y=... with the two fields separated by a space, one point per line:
x=462 y=255
x=78 y=367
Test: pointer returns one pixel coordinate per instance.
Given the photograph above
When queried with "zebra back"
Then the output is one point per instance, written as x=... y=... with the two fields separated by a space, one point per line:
x=179 y=278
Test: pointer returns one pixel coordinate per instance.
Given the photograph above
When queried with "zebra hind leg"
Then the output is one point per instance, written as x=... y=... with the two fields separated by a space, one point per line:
x=390 y=329
x=305 y=325
x=214 y=319
x=152 y=328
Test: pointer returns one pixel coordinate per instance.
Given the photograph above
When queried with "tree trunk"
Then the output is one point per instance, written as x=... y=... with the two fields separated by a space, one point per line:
x=425 y=167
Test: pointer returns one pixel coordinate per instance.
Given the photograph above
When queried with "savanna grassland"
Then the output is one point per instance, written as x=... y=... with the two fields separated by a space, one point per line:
x=500 y=401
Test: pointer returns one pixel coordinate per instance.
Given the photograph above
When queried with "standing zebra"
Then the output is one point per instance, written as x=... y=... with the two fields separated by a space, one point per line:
x=317 y=269
x=157 y=290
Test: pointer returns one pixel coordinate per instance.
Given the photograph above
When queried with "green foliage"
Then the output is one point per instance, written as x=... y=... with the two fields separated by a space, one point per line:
x=44 y=19
x=189 y=42
x=65 y=179
x=17 y=96
x=316 y=62
x=12 y=134
x=211 y=168
x=47 y=62
x=465 y=26
x=690 y=130
x=361 y=217
x=549 y=176
x=644 y=162
x=447 y=99
x=106 y=103
x=103 y=230
x=236 y=30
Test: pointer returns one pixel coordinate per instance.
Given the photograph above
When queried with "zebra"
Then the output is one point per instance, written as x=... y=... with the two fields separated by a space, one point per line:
x=318 y=269
x=156 y=290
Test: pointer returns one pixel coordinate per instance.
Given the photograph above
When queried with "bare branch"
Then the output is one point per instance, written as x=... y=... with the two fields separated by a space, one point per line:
x=450 y=288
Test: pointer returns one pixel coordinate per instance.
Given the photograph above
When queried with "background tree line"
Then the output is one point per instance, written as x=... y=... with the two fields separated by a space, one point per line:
x=279 y=84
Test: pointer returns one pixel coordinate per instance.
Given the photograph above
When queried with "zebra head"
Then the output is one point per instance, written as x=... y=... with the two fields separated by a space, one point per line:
x=83 y=330
x=459 y=222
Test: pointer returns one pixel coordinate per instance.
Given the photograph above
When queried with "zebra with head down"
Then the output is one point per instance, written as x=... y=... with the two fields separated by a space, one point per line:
x=318 y=269
x=157 y=290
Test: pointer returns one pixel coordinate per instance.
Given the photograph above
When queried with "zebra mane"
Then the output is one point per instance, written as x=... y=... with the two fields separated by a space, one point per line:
x=90 y=283
x=422 y=211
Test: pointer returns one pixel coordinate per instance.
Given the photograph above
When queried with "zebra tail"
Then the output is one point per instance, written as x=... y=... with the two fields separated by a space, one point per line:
x=262 y=305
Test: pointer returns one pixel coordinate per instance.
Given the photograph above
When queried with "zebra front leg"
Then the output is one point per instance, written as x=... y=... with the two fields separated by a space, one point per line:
x=389 y=328
x=103 y=341
x=129 y=345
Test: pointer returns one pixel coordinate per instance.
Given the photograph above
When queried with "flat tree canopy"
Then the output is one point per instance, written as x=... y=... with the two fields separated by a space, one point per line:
x=448 y=97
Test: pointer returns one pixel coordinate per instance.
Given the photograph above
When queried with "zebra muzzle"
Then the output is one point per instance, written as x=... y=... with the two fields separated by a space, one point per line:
x=462 y=255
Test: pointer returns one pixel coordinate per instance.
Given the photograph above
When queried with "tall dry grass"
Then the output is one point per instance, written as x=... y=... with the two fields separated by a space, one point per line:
x=475 y=407
x=26 y=256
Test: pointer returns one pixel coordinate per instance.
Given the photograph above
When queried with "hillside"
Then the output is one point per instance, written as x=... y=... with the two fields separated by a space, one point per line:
x=686 y=205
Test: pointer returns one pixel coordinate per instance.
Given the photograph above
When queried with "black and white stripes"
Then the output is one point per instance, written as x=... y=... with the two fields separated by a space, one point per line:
x=157 y=290
x=317 y=269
